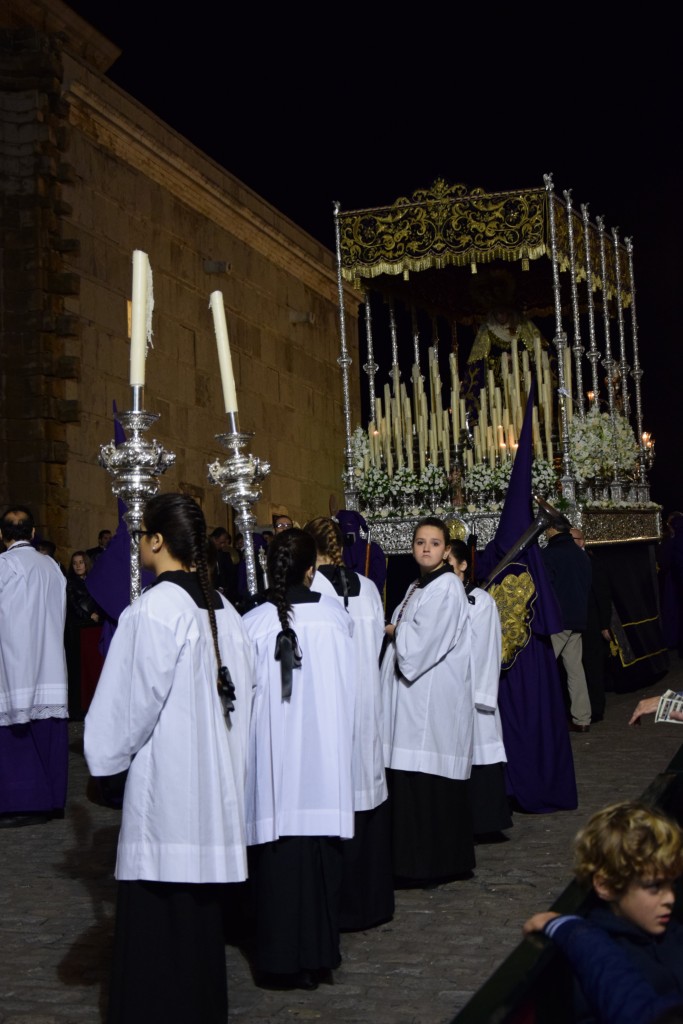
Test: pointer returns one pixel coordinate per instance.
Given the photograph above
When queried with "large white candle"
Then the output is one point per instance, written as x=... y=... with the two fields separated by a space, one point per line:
x=224 y=357
x=141 y=317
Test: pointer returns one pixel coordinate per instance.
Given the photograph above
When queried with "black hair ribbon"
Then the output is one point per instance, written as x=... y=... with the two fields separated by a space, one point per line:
x=288 y=653
x=226 y=691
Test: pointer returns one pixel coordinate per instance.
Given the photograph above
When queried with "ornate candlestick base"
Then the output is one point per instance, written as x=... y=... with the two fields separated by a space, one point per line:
x=135 y=466
x=239 y=479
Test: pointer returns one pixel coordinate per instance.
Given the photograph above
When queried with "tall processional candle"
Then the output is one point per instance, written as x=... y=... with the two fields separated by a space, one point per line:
x=224 y=357
x=141 y=317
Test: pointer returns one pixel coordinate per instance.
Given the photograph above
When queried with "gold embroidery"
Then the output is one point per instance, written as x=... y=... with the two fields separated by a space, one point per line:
x=514 y=596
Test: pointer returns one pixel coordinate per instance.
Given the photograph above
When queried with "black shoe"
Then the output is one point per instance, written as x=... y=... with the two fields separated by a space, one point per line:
x=573 y=727
x=284 y=982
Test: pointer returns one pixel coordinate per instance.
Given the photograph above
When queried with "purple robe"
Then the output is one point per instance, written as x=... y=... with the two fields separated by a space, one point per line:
x=540 y=768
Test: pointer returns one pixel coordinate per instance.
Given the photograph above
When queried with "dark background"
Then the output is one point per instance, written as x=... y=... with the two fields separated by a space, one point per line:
x=364 y=104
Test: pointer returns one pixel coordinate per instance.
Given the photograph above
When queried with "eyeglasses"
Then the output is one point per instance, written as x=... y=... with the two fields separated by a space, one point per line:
x=137 y=534
x=284 y=526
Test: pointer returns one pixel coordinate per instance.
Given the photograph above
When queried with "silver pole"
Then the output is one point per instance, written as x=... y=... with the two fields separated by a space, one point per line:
x=577 y=348
x=623 y=365
x=607 y=362
x=593 y=352
x=560 y=342
x=371 y=366
x=344 y=361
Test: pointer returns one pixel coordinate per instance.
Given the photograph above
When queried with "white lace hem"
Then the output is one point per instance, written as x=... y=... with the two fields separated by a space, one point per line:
x=19 y=716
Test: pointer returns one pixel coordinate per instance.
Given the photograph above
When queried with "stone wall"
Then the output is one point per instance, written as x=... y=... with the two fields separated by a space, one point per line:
x=105 y=177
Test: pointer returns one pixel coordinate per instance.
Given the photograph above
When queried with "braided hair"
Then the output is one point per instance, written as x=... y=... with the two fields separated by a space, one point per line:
x=329 y=542
x=290 y=554
x=180 y=521
x=328 y=538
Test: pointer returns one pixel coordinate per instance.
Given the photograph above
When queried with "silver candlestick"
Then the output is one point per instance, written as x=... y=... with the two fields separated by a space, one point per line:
x=135 y=465
x=239 y=479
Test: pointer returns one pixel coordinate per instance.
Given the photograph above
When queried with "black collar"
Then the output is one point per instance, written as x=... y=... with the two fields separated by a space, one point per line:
x=299 y=594
x=189 y=581
x=434 y=575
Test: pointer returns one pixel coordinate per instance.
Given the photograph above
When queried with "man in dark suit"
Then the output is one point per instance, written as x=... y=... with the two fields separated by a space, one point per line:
x=570 y=573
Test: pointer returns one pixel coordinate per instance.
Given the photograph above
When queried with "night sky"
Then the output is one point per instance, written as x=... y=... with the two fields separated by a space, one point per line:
x=363 y=105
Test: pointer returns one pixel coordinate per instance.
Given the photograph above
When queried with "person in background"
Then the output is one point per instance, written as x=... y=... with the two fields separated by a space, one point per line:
x=49 y=548
x=103 y=538
x=299 y=797
x=222 y=540
x=429 y=719
x=360 y=553
x=670 y=579
x=172 y=708
x=221 y=566
x=367 y=887
x=83 y=660
x=569 y=571
x=596 y=636
x=34 y=736
x=282 y=522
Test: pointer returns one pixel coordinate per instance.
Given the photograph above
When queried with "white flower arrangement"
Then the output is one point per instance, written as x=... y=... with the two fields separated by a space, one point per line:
x=374 y=488
x=501 y=477
x=403 y=487
x=432 y=484
x=543 y=478
x=479 y=481
x=600 y=445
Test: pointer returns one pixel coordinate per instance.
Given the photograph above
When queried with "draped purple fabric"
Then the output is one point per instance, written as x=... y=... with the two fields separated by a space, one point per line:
x=540 y=769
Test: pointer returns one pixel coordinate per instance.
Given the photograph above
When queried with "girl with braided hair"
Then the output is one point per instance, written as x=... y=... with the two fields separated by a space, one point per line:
x=299 y=799
x=172 y=707
x=427 y=688
x=368 y=887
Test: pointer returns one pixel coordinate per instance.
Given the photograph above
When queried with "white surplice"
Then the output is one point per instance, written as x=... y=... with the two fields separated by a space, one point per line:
x=156 y=712
x=486 y=645
x=426 y=682
x=369 y=781
x=33 y=680
x=299 y=776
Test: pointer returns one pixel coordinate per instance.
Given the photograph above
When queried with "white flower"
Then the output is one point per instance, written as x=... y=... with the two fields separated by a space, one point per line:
x=602 y=445
x=543 y=477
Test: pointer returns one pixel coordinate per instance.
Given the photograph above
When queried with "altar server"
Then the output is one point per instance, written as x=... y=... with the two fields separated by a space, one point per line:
x=172 y=706
x=34 y=735
x=427 y=687
x=489 y=800
x=367 y=889
x=299 y=781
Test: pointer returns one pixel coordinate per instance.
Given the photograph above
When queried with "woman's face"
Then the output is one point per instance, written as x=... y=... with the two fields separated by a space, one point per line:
x=429 y=548
x=78 y=565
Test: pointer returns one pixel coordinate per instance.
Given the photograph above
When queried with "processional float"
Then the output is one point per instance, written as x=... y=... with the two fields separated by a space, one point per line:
x=464 y=285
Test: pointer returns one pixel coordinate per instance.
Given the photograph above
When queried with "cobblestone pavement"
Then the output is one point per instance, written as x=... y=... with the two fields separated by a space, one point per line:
x=57 y=893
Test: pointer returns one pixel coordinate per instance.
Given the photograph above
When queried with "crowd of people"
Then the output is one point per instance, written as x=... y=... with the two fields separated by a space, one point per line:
x=307 y=745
